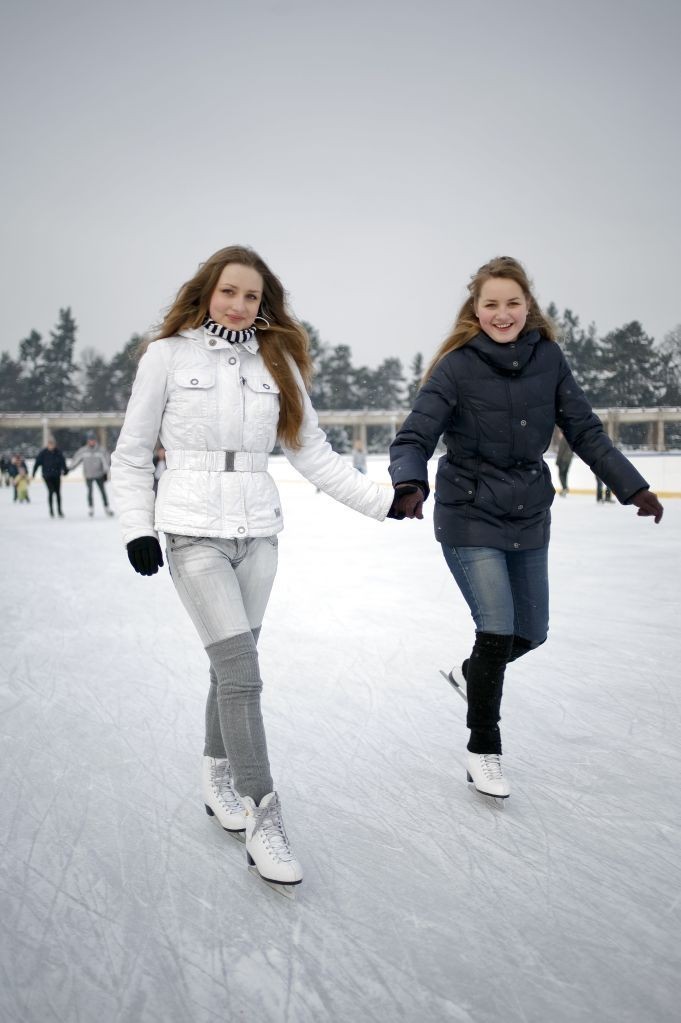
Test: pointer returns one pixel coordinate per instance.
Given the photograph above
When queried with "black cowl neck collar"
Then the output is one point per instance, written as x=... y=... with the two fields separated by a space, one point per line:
x=509 y=357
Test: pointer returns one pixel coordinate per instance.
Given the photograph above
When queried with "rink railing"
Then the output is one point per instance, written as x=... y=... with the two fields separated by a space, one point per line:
x=359 y=420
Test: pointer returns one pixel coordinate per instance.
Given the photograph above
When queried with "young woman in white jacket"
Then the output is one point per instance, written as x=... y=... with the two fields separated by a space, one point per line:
x=222 y=383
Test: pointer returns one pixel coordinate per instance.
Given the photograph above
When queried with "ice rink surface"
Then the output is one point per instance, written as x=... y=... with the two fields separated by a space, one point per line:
x=422 y=900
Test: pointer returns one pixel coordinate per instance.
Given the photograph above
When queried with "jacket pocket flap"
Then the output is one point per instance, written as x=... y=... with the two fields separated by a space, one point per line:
x=195 y=379
x=262 y=384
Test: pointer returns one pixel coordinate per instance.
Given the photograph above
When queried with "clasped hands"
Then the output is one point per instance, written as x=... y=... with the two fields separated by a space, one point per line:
x=407 y=502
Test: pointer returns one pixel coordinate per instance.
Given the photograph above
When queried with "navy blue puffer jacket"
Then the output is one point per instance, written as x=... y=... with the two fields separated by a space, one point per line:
x=497 y=406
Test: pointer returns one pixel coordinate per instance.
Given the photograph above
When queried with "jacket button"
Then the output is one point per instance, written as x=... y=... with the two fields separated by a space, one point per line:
x=520 y=507
x=523 y=422
x=212 y=342
x=241 y=529
x=232 y=361
x=516 y=545
x=193 y=380
x=515 y=363
x=470 y=491
x=266 y=386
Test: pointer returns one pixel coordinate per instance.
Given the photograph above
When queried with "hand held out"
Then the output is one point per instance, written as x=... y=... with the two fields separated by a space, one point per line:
x=647 y=504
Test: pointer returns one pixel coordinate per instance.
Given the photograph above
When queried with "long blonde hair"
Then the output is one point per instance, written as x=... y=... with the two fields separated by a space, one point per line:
x=285 y=336
x=466 y=325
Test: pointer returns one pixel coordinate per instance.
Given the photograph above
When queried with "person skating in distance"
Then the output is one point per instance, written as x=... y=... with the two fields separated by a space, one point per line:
x=222 y=383
x=495 y=390
x=96 y=464
x=53 y=464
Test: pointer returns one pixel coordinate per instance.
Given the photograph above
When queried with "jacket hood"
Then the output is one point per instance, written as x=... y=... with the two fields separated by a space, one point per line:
x=510 y=357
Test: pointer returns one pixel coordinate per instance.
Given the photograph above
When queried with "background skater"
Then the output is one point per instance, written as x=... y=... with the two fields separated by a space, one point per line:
x=53 y=465
x=96 y=464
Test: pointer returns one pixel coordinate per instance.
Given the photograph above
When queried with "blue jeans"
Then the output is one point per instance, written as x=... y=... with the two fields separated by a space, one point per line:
x=506 y=591
x=508 y=595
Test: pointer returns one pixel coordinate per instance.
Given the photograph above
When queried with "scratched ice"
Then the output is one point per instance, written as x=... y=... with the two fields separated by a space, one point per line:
x=120 y=900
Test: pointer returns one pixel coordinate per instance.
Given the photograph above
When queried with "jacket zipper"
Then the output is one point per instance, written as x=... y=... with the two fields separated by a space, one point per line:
x=243 y=408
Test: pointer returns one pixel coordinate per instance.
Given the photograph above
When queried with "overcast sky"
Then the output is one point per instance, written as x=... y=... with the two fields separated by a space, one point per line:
x=375 y=152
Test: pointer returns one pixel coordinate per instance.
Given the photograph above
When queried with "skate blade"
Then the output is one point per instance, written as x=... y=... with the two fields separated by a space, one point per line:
x=454 y=684
x=499 y=800
x=289 y=891
x=240 y=836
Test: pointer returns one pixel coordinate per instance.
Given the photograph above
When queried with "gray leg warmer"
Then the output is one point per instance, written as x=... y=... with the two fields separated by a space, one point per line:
x=237 y=688
x=214 y=745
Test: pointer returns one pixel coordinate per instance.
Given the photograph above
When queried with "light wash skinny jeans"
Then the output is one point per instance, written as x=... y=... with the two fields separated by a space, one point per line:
x=225 y=585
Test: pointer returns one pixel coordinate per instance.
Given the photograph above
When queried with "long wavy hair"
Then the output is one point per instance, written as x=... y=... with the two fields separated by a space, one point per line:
x=466 y=325
x=284 y=336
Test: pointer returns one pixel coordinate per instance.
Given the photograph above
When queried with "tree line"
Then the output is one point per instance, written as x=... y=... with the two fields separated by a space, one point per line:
x=623 y=368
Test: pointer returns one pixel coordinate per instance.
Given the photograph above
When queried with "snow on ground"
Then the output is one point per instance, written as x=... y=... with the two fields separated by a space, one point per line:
x=422 y=900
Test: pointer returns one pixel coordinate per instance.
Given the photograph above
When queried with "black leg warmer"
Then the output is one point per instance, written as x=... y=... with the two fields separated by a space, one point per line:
x=484 y=684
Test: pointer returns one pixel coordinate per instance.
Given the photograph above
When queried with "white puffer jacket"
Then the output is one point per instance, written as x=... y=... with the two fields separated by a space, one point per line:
x=215 y=408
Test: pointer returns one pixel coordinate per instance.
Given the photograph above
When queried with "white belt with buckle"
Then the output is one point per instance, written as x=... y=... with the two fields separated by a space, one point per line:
x=218 y=461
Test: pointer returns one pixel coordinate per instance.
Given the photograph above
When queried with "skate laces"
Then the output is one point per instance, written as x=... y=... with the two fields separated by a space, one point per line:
x=224 y=787
x=268 y=819
x=491 y=766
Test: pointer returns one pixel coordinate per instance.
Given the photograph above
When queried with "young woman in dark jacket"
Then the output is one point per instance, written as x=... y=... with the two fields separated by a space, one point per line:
x=496 y=389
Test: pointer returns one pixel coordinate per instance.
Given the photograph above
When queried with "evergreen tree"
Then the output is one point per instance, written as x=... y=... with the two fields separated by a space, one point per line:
x=59 y=366
x=10 y=384
x=632 y=371
x=338 y=375
x=32 y=392
x=97 y=391
x=670 y=351
x=123 y=368
x=386 y=390
x=417 y=370
x=318 y=351
x=581 y=350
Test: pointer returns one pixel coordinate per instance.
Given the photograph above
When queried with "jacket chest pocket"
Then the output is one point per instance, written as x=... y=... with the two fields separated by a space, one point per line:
x=261 y=399
x=194 y=393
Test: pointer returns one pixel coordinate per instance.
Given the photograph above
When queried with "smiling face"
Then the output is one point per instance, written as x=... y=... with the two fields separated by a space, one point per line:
x=235 y=302
x=502 y=309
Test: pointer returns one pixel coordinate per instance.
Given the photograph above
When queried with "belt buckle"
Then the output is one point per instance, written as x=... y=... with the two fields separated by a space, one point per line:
x=229 y=461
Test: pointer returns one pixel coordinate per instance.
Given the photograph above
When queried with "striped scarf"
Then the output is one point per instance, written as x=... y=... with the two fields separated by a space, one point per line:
x=233 y=336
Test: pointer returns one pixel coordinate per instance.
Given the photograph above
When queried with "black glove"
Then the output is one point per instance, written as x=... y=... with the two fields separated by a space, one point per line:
x=144 y=554
x=647 y=504
x=407 y=502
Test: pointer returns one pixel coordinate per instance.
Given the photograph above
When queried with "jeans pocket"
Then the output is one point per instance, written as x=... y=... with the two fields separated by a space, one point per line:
x=272 y=540
x=178 y=542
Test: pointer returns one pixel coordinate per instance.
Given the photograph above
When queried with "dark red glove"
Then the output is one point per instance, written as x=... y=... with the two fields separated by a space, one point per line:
x=144 y=554
x=647 y=504
x=407 y=502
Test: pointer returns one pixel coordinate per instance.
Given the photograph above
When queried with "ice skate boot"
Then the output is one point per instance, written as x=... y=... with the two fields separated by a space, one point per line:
x=484 y=771
x=221 y=799
x=267 y=845
x=108 y=512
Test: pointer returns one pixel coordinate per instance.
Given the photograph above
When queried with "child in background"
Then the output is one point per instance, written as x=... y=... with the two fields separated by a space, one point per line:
x=21 y=485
